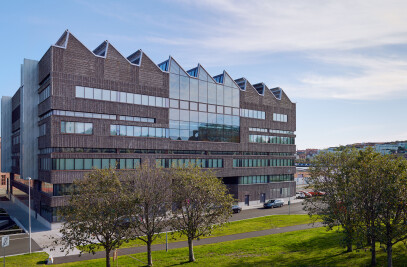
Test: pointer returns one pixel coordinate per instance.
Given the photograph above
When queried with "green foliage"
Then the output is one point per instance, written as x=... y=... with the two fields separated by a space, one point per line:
x=95 y=214
x=202 y=203
x=149 y=186
x=365 y=194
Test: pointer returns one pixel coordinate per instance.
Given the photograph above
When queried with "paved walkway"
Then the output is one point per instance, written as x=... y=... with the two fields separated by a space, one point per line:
x=42 y=238
x=182 y=244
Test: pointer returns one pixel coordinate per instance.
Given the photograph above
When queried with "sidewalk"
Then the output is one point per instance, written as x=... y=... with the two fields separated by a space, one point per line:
x=40 y=234
x=182 y=244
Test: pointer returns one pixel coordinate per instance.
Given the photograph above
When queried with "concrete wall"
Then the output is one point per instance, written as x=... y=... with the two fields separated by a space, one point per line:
x=6 y=134
x=29 y=120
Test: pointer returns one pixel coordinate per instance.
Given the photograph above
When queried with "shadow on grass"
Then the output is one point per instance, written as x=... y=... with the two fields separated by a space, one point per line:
x=181 y=263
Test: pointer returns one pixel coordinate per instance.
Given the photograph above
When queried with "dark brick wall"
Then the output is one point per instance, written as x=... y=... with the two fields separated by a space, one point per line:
x=76 y=65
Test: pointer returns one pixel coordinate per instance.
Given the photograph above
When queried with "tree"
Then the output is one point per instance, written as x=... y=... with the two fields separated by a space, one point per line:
x=334 y=174
x=96 y=212
x=369 y=186
x=383 y=188
x=150 y=186
x=201 y=203
x=366 y=193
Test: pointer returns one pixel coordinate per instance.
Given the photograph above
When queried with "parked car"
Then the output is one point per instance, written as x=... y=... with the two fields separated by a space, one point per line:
x=273 y=203
x=236 y=208
x=306 y=194
x=313 y=193
x=299 y=195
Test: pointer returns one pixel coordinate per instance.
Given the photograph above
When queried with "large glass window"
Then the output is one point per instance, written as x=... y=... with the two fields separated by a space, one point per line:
x=80 y=128
x=184 y=88
x=80 y=91
x=106 y=95
x=207 y=98
x=227 y=95
x=204 y=163
x=174 y=86
x=236 y=98
x=70 y=163
x=88 y=92
x=203 y=91
x=97 y=94
x=193 y=90
x=211 y=93
x=174 y=114
x=87 y=164
x=219 y=94
x=76 y=127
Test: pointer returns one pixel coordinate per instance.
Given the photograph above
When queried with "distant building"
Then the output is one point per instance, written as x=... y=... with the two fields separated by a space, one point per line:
x=385 y=148
x=301 y=176
x=4 y=177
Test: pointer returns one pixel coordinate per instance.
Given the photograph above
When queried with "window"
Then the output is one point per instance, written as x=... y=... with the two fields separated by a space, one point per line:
x=115 y=96
x=137 y=131
x=80 y=91
x=97 y=94
x=255 y=114
x=271 y=139
x=3 y=180
x=260 y=179
x=280 y=117
x=76 y=127
x=43 y=129
x=88 y=164
x=204 y=163
x=45 y=94
x=262 y=162
x=88 y=92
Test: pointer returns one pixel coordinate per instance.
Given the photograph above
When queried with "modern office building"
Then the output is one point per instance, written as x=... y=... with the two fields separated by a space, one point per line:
x=78 y=109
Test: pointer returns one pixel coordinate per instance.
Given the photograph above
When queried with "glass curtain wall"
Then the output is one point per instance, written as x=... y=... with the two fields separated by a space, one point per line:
x=202 y=110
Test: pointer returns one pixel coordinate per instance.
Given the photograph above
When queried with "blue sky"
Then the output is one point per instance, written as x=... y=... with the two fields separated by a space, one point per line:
x=343 y=62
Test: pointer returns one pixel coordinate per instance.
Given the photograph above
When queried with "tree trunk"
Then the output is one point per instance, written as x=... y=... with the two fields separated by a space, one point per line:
x=373 y=252
x=149 y=257
x=389 y=255
x=107 y=258
x=191 y=250
x=349 y=246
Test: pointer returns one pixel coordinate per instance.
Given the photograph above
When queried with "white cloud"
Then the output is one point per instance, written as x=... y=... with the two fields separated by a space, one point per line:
x=243 y=31
x=376 y=78
x=300 y=25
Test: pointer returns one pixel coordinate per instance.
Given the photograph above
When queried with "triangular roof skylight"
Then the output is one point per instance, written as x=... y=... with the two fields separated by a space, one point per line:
x=135 y=58
x=101 y=50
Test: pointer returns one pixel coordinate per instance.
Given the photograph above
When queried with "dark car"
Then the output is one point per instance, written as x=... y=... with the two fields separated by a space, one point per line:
x=273 y=203
x=236 y=208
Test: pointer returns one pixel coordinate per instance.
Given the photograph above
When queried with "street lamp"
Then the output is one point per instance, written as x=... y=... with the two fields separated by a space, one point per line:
x=29 y=209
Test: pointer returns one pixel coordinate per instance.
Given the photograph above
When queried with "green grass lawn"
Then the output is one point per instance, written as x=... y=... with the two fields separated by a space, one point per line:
x=243 y=226
x=33 y=259
x=314 y=247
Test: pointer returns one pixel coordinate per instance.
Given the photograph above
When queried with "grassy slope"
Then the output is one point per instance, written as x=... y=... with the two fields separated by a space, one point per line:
x=26 y=260
x=249 y=225
x=315 y=247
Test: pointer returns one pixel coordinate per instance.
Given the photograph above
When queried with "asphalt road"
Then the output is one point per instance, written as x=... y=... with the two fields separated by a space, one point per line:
x=295 y=208
x=19 y=244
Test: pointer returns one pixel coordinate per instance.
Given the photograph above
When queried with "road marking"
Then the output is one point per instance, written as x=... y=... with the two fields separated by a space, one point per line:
x=20 y=238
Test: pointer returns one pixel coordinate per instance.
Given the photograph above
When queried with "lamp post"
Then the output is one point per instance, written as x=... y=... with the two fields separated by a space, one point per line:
x=29 y=209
